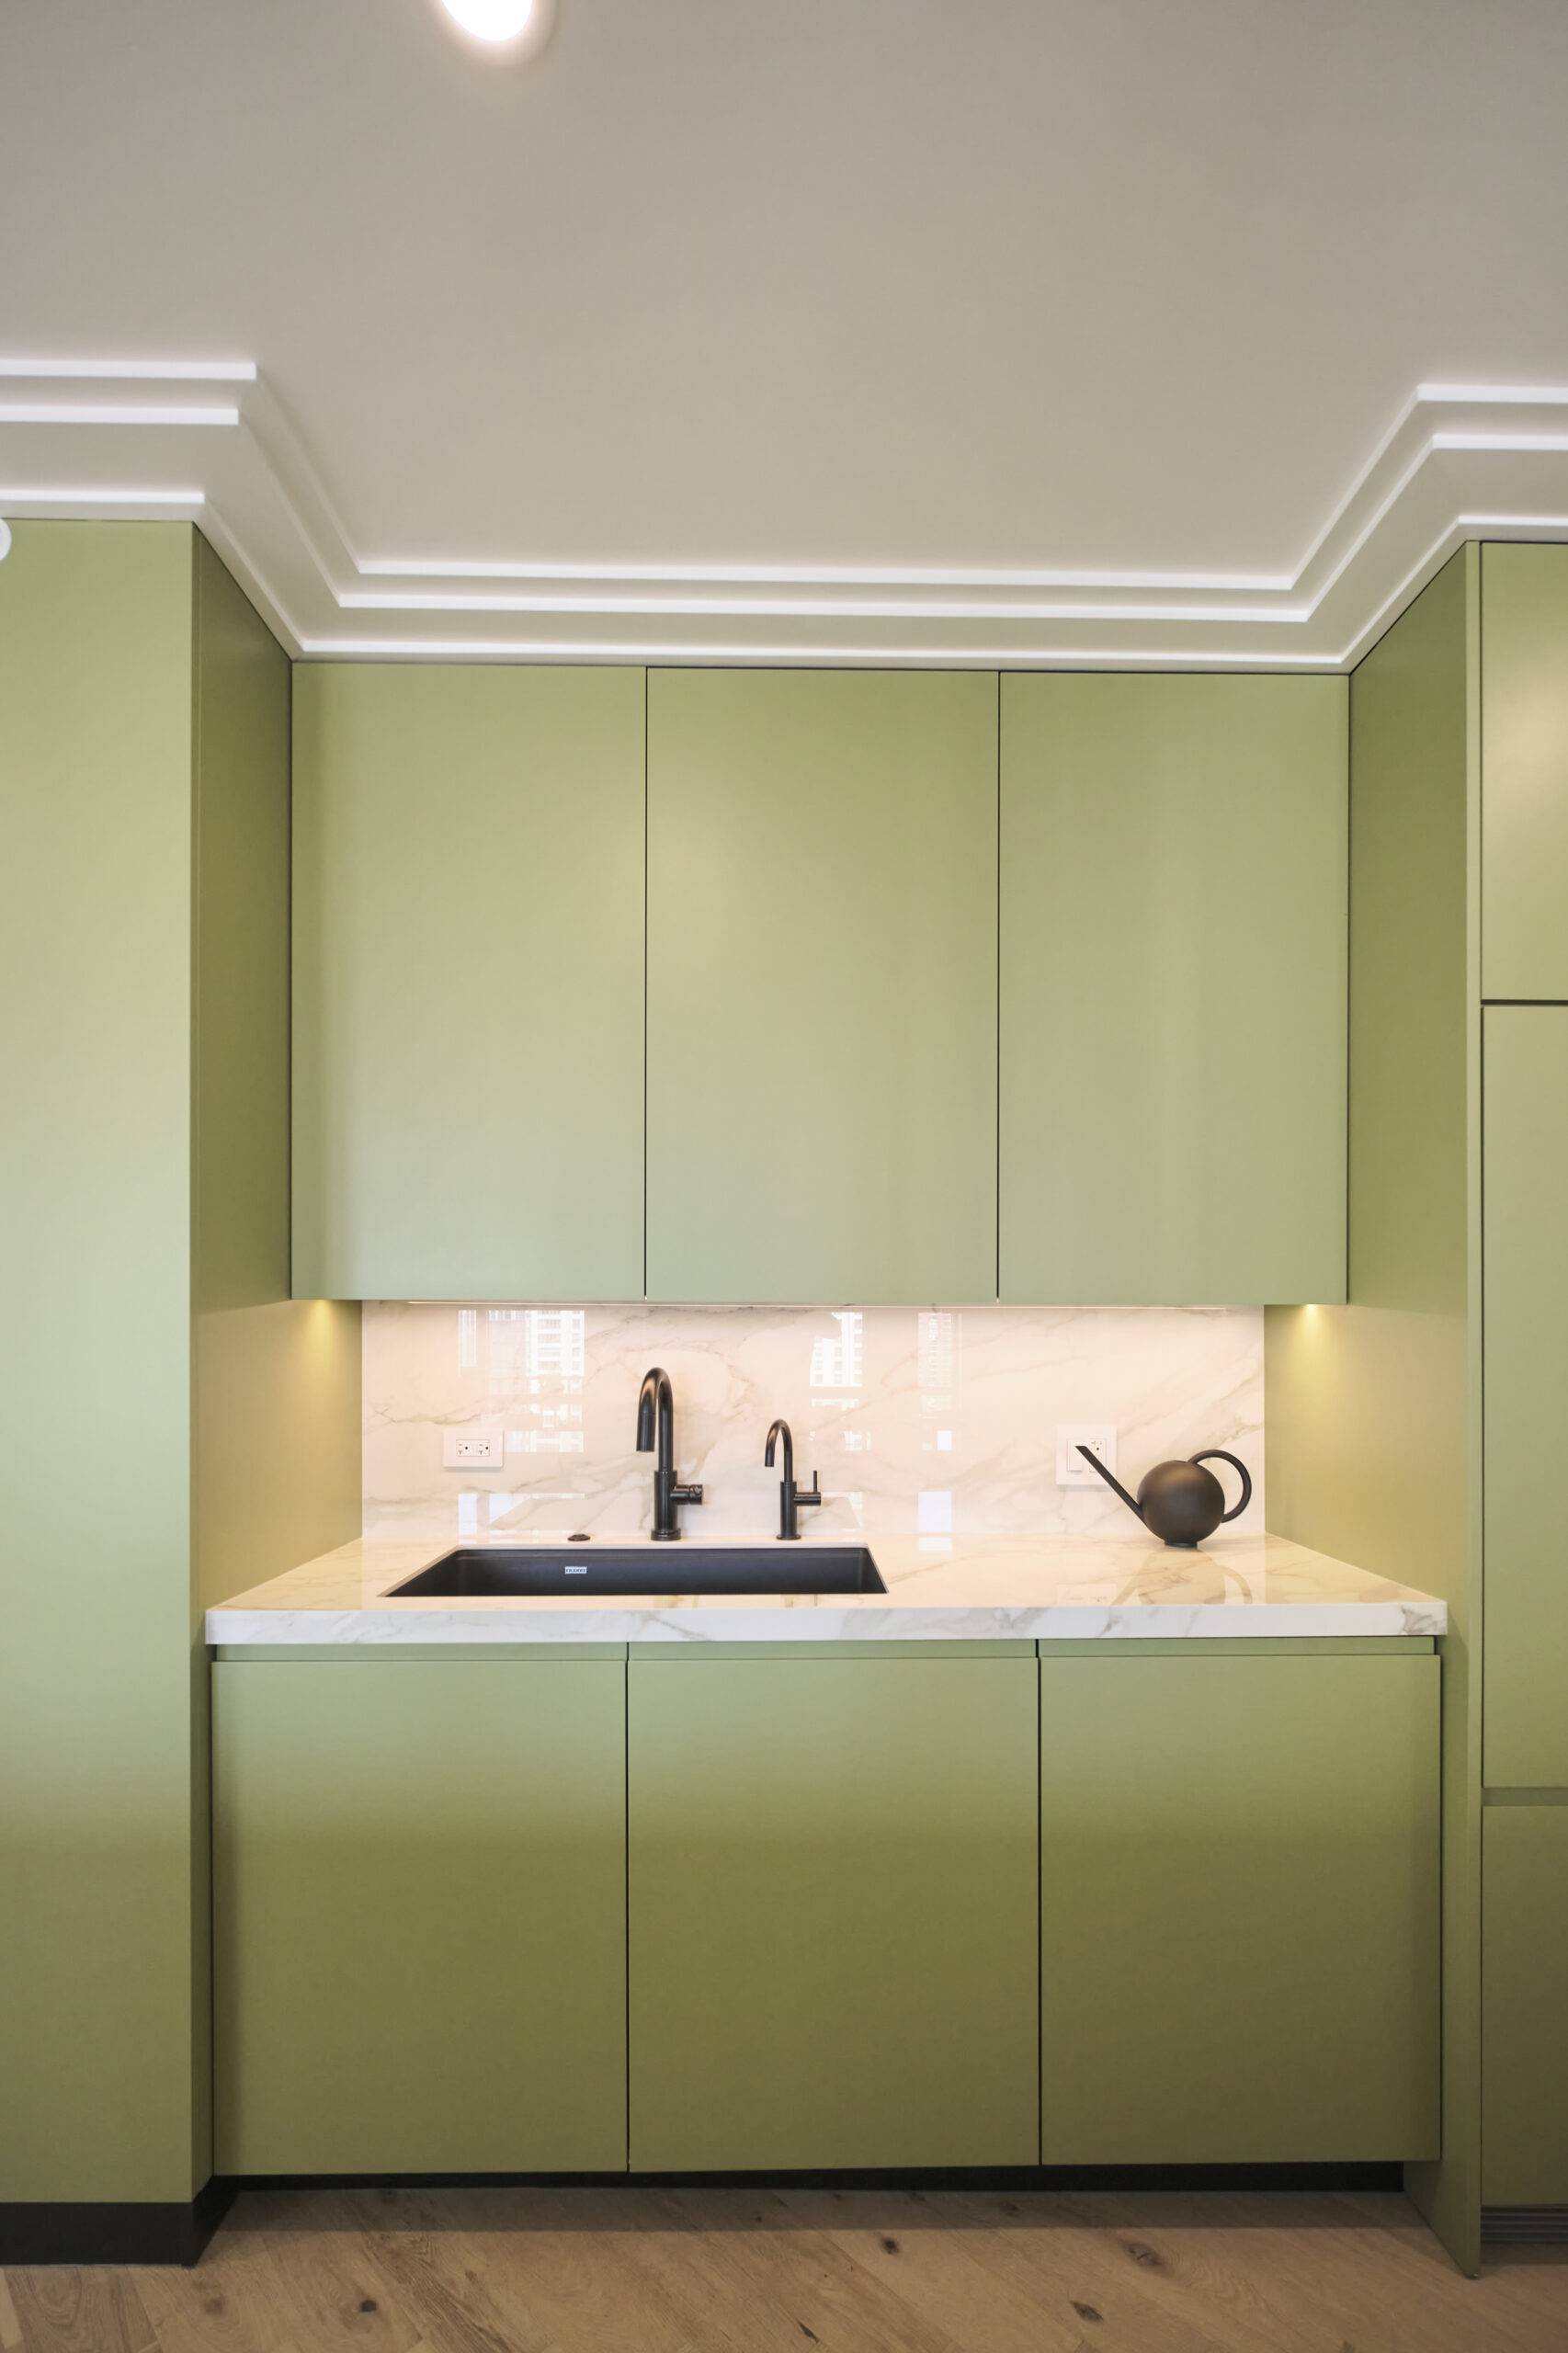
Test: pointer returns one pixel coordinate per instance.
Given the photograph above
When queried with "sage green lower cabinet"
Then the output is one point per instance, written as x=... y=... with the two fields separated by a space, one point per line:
x=833 y=1907
x=1524 y=2125
x=420 y=1915
x=1239 y=1945
x=1525 y=1147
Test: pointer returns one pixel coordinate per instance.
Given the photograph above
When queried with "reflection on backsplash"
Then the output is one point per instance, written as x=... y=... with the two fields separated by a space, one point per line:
x=920 y=1420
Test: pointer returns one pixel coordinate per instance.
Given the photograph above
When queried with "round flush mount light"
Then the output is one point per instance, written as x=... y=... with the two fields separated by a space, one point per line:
x=516 y=27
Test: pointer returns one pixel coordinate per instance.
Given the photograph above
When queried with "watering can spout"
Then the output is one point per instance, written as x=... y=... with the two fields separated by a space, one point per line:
x=1111 y=1480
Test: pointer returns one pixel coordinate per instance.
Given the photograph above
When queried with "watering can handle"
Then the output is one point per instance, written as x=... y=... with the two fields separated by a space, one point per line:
x=1218 y=1454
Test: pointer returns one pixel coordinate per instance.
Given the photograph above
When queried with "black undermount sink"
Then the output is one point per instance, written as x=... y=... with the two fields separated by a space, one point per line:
x=479 y=1573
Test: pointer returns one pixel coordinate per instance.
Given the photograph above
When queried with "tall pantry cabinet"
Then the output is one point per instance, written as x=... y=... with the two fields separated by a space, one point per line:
x=1417 y=1429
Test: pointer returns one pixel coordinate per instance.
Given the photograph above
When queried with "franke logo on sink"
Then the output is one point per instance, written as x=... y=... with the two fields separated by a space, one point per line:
x=574 y=1569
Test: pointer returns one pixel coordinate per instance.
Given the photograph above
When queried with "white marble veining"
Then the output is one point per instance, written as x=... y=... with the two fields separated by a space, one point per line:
x=922 y=1421
x=934 y=1432
x=1038 y=1588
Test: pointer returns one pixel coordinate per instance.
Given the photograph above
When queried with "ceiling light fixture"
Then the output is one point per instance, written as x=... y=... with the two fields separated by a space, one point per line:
x=519 y=27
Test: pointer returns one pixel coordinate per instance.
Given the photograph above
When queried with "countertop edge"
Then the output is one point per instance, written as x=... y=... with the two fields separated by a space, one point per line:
x=1326 y=1620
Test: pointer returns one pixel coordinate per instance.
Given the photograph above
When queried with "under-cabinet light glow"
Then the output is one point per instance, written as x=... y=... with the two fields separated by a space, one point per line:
x=515 y=25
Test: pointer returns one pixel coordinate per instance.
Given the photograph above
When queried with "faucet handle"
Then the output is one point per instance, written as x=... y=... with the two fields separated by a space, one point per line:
x=811 y=1494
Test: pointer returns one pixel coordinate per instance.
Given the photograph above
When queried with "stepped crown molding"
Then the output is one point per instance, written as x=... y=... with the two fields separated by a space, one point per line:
x=208 y=439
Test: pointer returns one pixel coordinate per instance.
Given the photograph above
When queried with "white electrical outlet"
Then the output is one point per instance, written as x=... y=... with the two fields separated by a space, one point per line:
x=472 y=1449
x=1071 y=1471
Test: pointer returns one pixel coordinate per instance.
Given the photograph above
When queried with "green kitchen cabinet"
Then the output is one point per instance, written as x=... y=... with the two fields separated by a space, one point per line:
x=1524 y=2123
x=468 y=981
x=821 y=986
x=1239 y=1936
x=833 y=1907
x=1174 y=878
x=1525 y=1346
x=1524 y=755
x=420 y=1914
x=145 y=1043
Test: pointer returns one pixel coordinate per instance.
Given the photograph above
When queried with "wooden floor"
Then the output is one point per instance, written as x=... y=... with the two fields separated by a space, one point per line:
x=776 y=2271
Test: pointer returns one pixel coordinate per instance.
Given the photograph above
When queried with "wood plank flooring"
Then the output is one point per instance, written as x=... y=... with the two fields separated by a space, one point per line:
x=780 y=2271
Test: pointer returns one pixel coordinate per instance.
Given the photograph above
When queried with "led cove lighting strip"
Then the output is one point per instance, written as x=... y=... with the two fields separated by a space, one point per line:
x=111 y=412
x=58 y=497
x=191 y=371
x=1489 y=396
x=1511 y=523
x=1499 y=441
x=938 y=657
x=815 y=609
x=811 y=574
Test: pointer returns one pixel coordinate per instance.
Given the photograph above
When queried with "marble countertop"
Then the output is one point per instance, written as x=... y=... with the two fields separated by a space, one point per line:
x=1046 y=1588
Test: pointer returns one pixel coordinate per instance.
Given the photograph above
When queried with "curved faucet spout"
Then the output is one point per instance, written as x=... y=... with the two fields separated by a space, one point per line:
x=790 y=1497
x=656 y=1426
x=780 y=1430
x=656 y=1399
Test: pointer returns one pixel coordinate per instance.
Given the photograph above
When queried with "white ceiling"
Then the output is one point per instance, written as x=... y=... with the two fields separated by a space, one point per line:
x=684 y=336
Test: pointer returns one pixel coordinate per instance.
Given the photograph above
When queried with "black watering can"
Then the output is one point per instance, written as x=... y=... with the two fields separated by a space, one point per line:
x=1180 y=1502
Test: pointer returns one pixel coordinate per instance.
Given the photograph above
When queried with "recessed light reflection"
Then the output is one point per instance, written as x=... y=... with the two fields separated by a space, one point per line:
x=501 y=24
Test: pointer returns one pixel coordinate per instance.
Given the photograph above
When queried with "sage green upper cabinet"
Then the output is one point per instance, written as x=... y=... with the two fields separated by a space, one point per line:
x=1525 y=1388
x=1524 y=743
x=1172 y=989
x=467 y=983
x=821 y=986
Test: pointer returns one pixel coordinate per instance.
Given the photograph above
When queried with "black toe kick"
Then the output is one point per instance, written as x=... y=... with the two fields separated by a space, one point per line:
x=113 y=2230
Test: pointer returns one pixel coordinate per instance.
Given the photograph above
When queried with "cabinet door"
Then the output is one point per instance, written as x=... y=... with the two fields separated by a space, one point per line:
x=1524 y=2132
x=1524 y=749
x=467 y=983
x=1239 y=1909
x=1525 y=1392
x=1172 y=962
x=833 y=1907
x=420 y=1915
x=821 y=986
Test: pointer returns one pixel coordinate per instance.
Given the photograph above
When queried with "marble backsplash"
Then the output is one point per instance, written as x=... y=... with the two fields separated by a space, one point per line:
x=918 y=1420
